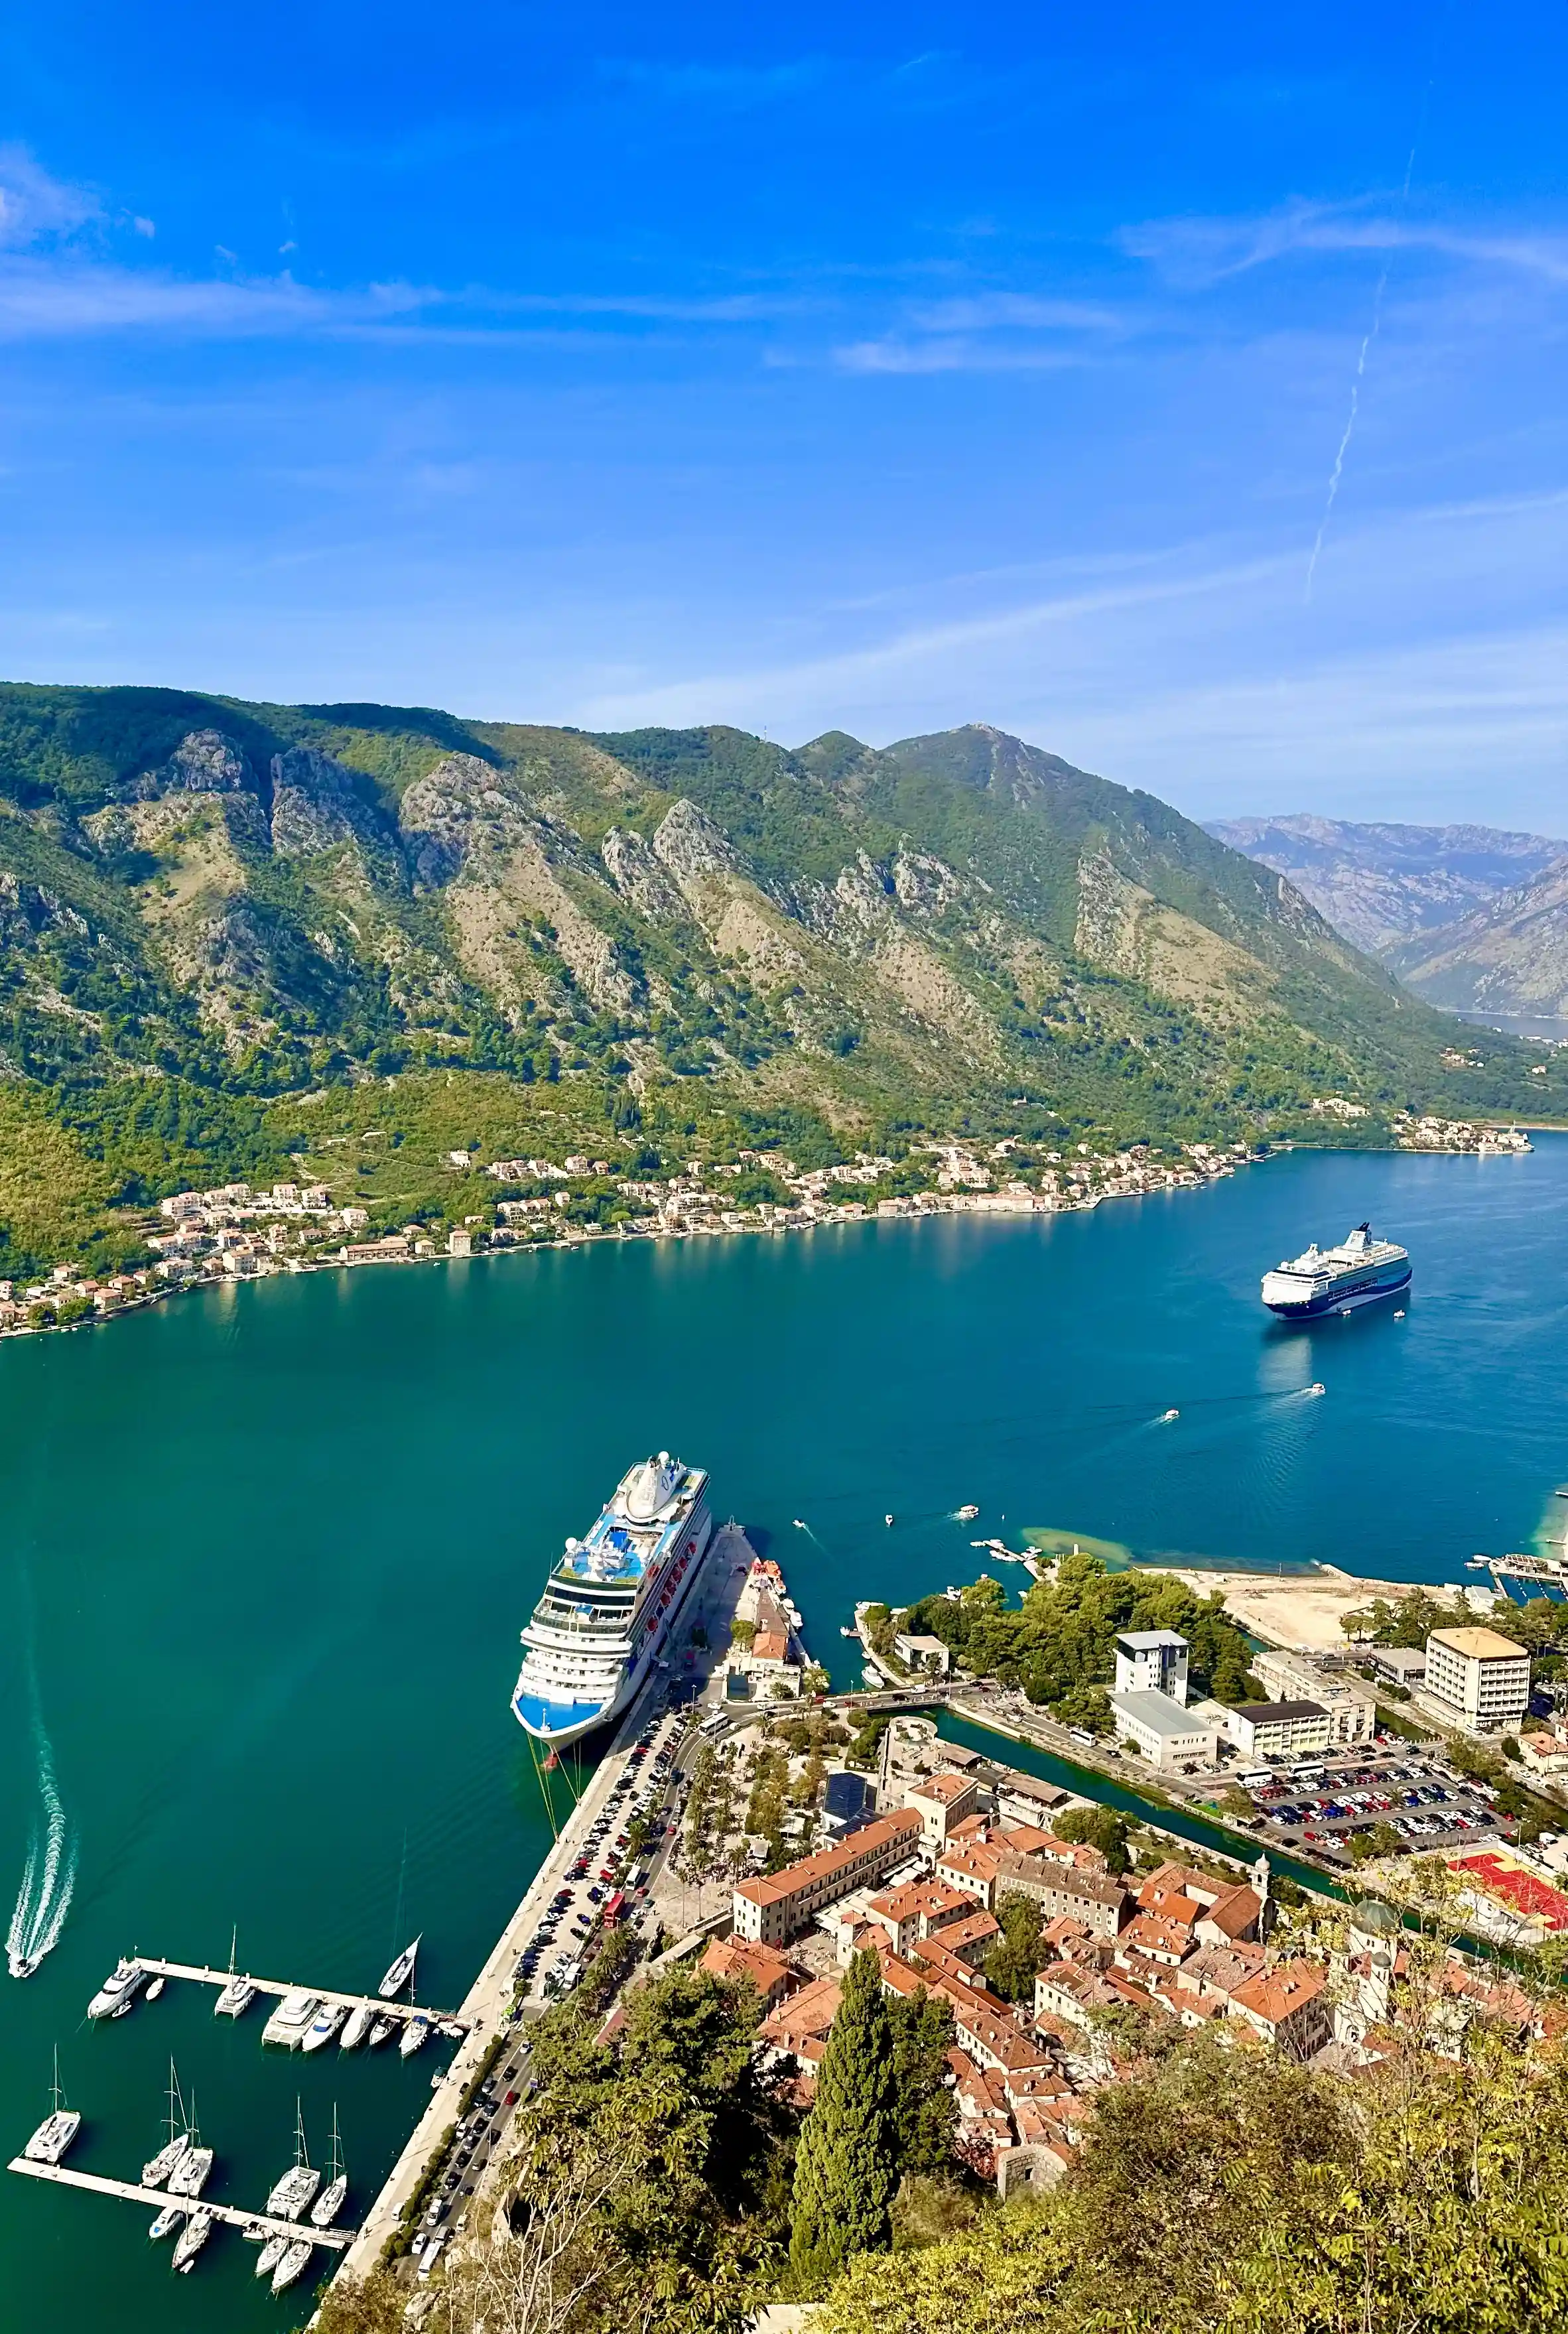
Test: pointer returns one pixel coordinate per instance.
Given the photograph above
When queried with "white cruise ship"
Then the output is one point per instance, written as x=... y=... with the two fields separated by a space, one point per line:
x=1337 y=1280
x=610 y=1605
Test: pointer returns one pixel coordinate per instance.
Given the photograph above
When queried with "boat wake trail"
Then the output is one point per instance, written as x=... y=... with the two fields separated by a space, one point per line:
x=48 y=1876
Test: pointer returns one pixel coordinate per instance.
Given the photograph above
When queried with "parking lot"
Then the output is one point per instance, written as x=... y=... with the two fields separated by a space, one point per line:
x=1323 y=1804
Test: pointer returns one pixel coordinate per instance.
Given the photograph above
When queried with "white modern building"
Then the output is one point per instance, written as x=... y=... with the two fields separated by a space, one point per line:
x=1480 y=1679
x=1151 y=1661
x=1167 y=1733
x=1348 y=1700
x=1279 y=1730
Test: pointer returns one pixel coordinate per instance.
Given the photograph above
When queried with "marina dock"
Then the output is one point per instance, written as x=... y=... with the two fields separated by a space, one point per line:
x=336 y=2241
x=400 y=2011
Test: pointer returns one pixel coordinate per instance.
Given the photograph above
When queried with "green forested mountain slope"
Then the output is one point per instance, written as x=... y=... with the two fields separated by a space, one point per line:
x=219 y=921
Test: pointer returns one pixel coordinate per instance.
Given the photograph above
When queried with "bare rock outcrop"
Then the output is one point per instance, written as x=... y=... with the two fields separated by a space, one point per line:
x=638 y=875
x=204 y=762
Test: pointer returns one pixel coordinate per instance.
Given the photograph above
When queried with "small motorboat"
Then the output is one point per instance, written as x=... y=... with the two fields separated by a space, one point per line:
x=154 y=1989
x=358 y=2027
x=415 y=2035
x=1317 y=1386
x=382 y=2032
x=886 y=1520
x=967 y=1513
x=799 y=1522
x=25 y=1964
x=1168 y=1417
x=167 y=2221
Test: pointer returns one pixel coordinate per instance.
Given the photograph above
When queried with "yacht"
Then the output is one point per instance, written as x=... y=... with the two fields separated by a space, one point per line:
x=270 y=2253
x=401 y=1971
x=415 y=2034
x=119 y=1990
x=330 y=2203
x=358 y=2027
x=291 y=2020
x=325 y=2025
x=192 y=2238
x=189 y=2176
x=1323 y=1280
x=294 y=2262
x=58 y=2129
x=158 y=2169
x=166 y=2222
x=291 y=2194
x=612 y=1603
x=238 y=1994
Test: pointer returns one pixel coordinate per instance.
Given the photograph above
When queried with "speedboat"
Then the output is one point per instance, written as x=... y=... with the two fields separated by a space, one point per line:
x=401 y=1971
x=167 y=2221
x=192 y=2238
x=324 y=2026
x=886 y=1520
x=291 y=2020
x=416 y=2033
x=119 y=1990
x=154 y=1989
x=798 y=1522
x=450 y=2029
x=358 y=2027
x=294 y=2264
x=1167 y=1417
x=382 y=2032
x=967 y=1515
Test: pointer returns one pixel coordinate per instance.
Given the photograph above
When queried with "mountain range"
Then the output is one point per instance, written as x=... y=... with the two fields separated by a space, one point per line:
x=1472 y=918
x=222 y=924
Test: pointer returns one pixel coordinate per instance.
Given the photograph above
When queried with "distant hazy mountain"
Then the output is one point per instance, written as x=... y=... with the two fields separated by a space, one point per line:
x=1509 y=958
x=1383 y=885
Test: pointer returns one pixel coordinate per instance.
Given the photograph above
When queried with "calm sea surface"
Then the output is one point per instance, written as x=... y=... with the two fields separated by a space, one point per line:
x=266 y=1552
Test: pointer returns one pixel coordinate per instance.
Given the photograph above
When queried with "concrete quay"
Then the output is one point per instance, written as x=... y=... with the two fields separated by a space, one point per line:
x=486 y=2006
x=334 y=2240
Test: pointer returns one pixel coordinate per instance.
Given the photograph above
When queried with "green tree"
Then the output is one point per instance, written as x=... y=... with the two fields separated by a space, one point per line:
x=925 y=2110
x=1098 y=1826
x=846 y=2171
x=1013 y=1960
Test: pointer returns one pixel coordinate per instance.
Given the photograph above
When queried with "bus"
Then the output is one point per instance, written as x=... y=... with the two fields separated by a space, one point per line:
x=614 y=1907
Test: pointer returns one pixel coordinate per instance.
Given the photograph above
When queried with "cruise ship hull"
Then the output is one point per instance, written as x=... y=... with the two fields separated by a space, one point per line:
x=1348 y=1299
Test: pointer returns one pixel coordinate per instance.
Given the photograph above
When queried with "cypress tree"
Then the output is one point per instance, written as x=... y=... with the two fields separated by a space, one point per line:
x=846 y=2167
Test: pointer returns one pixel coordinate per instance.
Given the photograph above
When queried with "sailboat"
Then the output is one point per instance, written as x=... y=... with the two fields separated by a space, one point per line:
x=158 y=2168
x=192 y=2238
x=294 y=2262
x=401 y=1971
x=58 y=2129
x=189 y=2176
x=298 y=2186
x=330 y=2203
x=239 y=1992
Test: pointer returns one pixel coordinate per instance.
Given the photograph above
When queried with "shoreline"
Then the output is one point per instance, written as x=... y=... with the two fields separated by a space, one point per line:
x=1203 y=1167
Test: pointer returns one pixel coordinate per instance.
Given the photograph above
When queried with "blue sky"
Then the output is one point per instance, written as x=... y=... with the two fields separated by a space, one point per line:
x=877 y=368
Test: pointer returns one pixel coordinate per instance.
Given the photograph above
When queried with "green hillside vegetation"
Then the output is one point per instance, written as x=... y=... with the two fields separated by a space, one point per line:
x=236 y=937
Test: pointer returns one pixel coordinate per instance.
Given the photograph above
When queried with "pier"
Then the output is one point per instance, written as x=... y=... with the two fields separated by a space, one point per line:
x=330 y=1998
x=336 y=2241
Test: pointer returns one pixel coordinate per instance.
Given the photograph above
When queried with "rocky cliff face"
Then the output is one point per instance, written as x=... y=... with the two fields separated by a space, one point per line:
x=288 y=897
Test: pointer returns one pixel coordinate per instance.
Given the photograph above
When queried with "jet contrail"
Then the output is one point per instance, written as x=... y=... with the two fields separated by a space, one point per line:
x=1338 y=471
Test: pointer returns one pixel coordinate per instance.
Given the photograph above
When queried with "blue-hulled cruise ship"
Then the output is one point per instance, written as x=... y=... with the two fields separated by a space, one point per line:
x=611 y=1605
x=1358 y=1272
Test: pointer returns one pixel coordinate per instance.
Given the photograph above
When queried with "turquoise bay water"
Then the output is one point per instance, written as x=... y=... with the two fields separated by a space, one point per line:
x=266 y=1552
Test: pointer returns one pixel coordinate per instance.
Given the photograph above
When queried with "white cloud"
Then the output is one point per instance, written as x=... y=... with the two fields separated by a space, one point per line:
x=35 y=207
x=1196 y=252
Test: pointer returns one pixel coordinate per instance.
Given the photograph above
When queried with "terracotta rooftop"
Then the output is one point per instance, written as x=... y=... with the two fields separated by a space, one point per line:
x=883 y=1831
